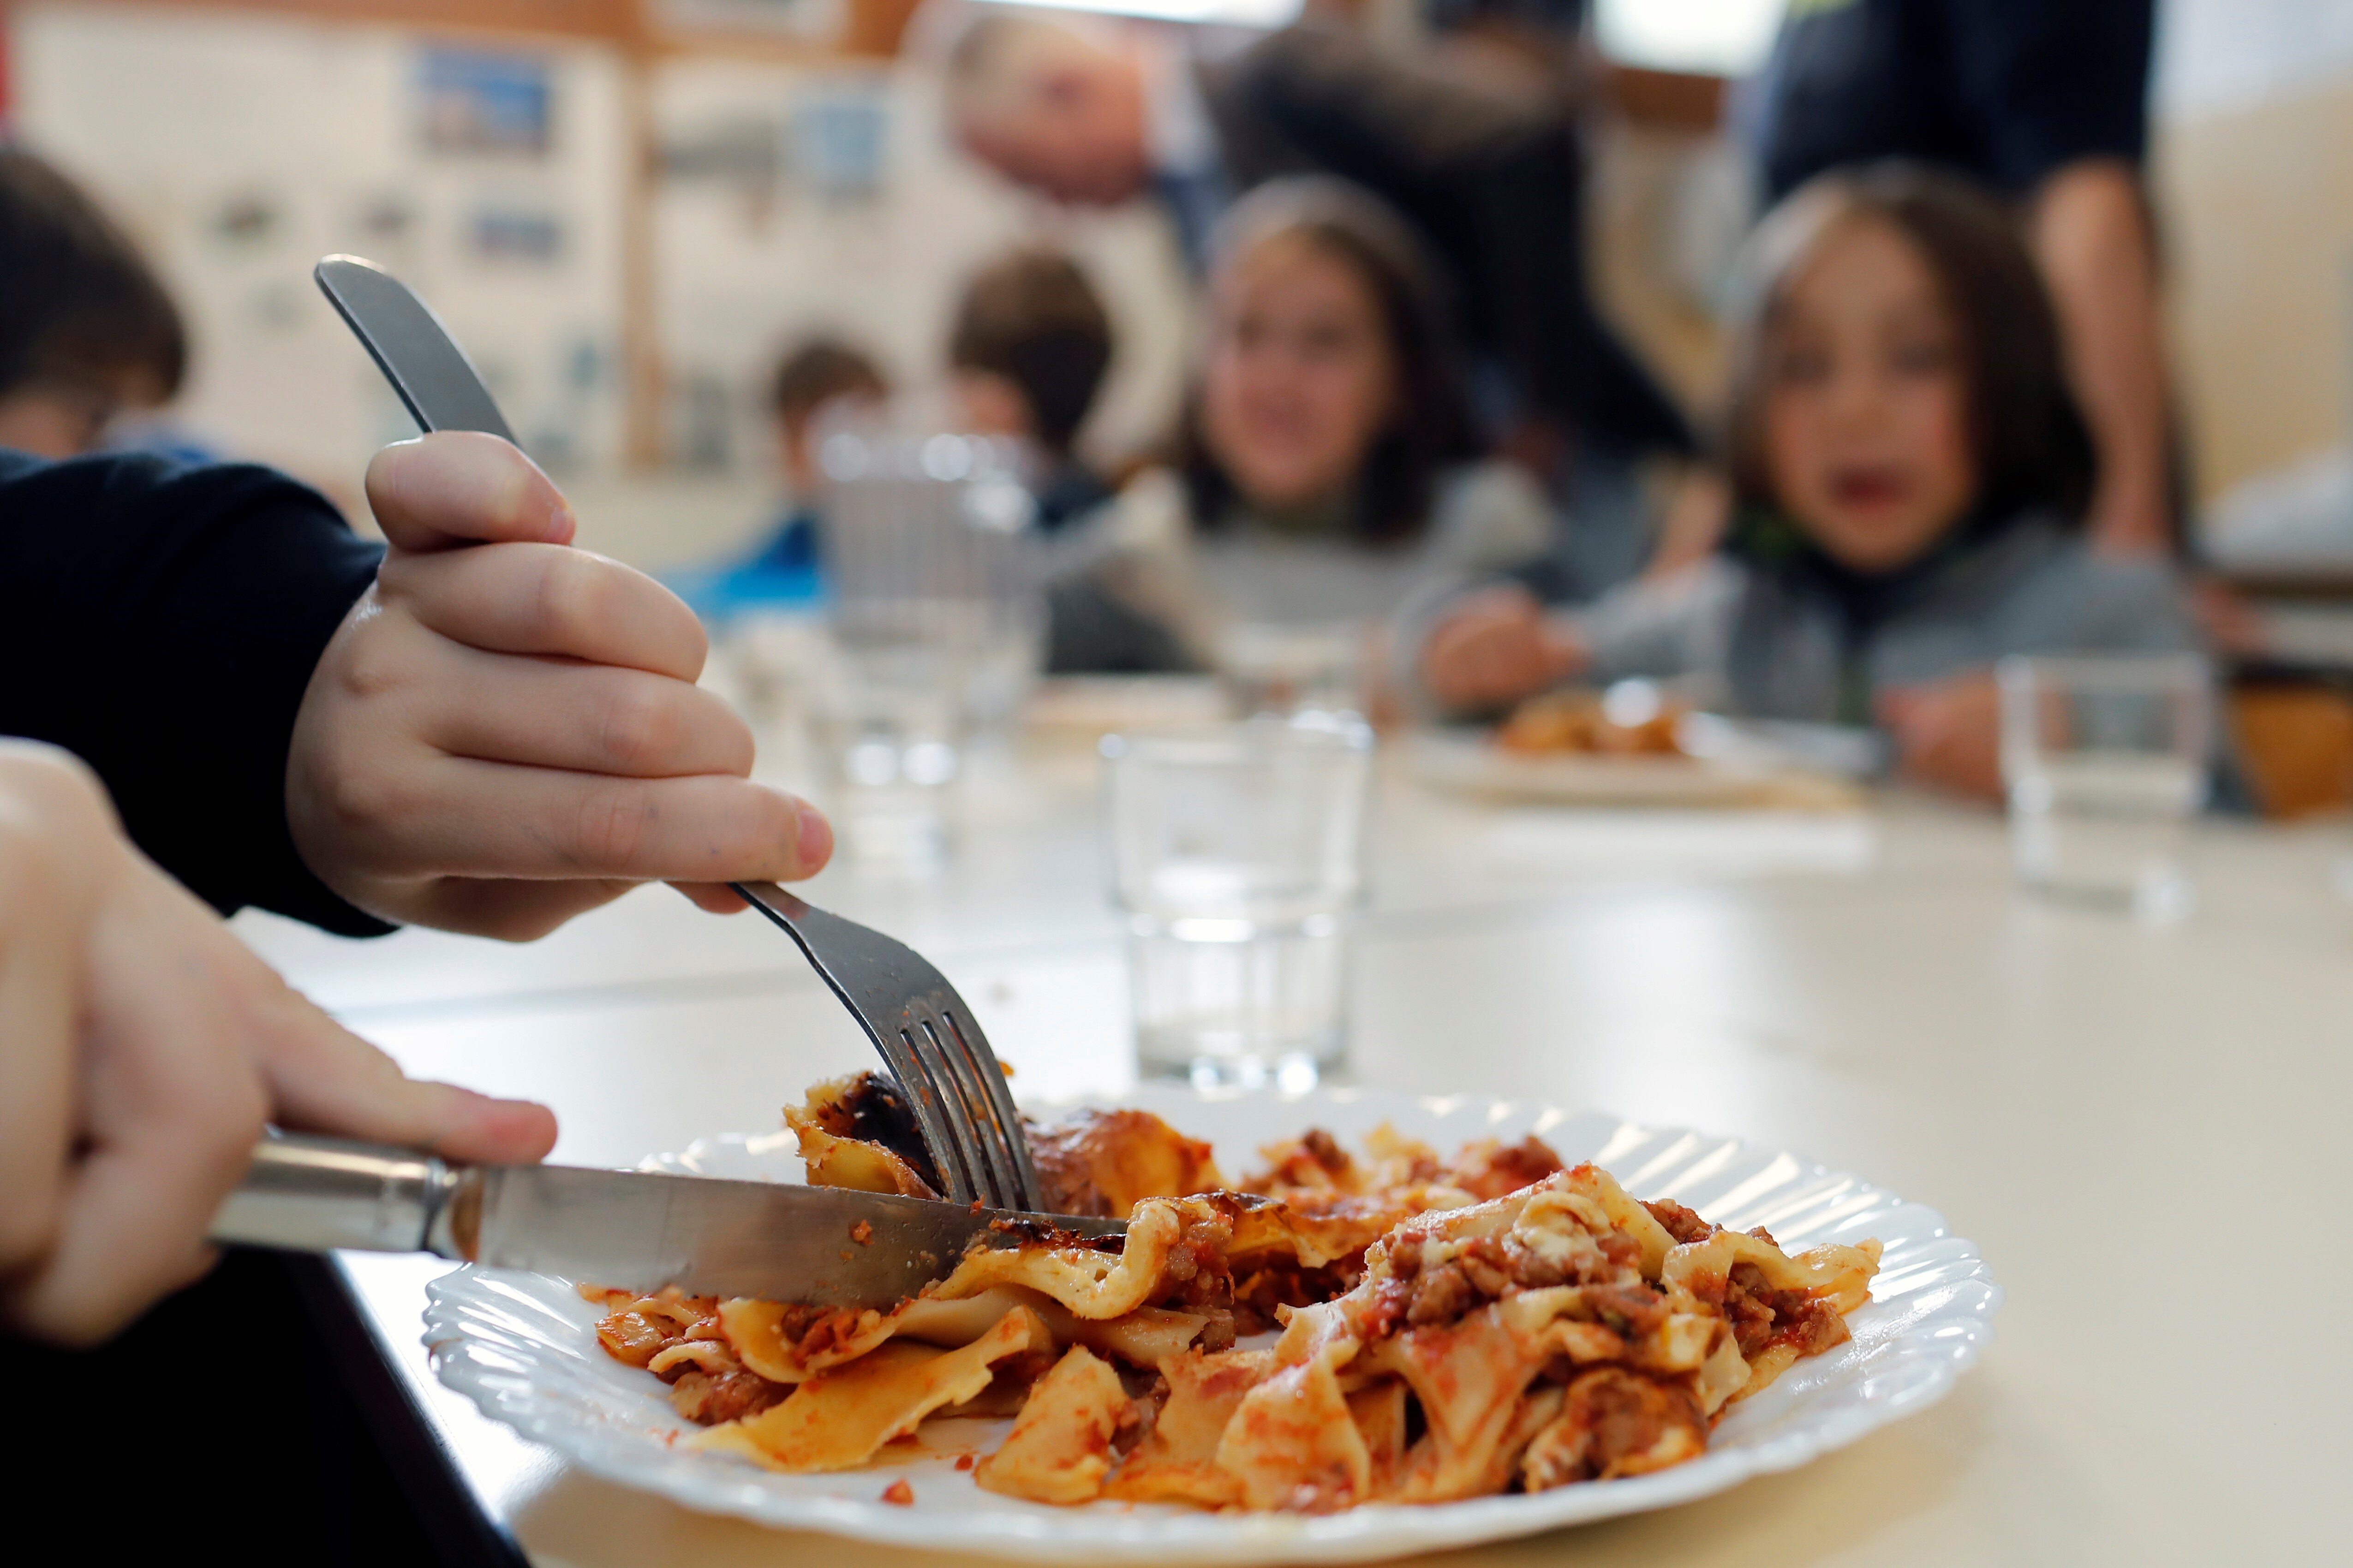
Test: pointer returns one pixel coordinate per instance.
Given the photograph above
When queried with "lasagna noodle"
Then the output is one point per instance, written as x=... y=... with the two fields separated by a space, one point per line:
x=1292 y=1442
x=838 y=1419
x=1059 y=1447
x=1177 y=1460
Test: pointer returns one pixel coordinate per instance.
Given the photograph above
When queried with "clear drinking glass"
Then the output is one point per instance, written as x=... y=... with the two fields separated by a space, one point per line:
x=2105 y=759
x=1238 y=853
x=1282 y=670
x=937 y=619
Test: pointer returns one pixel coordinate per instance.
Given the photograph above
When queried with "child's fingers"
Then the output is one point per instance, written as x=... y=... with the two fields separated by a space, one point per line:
x=509 y=910
x=494 y=820
x=541 y=599
x=324 y=1079
x=716 y=898
x=461 y=487
x=581 y=718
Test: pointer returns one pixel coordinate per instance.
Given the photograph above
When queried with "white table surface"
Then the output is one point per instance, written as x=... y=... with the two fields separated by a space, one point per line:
x=2143 y=1127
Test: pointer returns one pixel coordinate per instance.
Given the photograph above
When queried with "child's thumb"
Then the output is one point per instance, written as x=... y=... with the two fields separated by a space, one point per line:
x=461 y=487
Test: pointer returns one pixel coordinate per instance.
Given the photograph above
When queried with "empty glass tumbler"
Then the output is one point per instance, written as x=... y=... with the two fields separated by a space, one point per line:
x=937 y=624
x=2104 y=759
x=1237 y=854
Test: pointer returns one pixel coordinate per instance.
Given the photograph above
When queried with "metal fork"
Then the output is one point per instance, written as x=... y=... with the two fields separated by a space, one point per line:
x=928 y=1037
x=932 y=1044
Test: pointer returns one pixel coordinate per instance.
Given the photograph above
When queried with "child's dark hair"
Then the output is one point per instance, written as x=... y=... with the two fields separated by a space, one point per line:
x=1430 y=425
x=1033 y=317
x=816 y=372
x=77 y=302
x=2026 y=433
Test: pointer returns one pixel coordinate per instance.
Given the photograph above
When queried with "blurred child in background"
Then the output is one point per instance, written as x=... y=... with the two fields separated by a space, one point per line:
x=1028 y=353
x=820 y=374
x=1323 y=476
x=1031 y=345
x=1910 y=475
x=1326 y=461
x=87 y=333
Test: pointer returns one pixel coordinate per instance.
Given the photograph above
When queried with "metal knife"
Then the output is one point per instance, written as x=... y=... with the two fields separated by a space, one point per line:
x=633 y=1230
x=414 y=351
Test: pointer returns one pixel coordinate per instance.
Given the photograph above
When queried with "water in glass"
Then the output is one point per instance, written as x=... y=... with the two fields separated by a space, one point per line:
x=1237 y=854
x=2105 y=760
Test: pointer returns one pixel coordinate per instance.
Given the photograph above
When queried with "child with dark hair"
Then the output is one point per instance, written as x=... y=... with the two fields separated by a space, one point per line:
x=1030 y=349
x=86 y=331
x=1910 y=473
x=815 y=376
x=1327 y=464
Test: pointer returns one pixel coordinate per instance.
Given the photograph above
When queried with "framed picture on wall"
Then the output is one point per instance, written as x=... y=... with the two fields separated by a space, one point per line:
x=479 y=101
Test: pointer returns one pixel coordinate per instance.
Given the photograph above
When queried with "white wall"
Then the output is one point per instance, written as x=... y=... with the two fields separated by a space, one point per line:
x=2218 y=55
x=175 y=117
x=742 y=277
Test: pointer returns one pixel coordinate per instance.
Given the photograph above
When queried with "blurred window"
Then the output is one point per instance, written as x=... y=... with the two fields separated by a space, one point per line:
x=1711 y=38
x=1226 y=13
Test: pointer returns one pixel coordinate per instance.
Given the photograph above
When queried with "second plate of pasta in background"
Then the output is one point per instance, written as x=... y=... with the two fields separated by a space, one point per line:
x=1642 y=744
x=524 y=1349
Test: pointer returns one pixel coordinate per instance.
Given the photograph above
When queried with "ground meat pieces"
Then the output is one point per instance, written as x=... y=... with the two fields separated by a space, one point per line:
x=1487 y=1266
x=1492 y=1170
x=1615 y=1423
x=1531 y=1269
x=1763 y=1317
x=710 y=1398
x=1325 y=1150
x=1258 y=1293
x=1441 y=1295
x=1635 y=1312
x=1808 y=1322
x=1681 y=1223
x=1748 y=1303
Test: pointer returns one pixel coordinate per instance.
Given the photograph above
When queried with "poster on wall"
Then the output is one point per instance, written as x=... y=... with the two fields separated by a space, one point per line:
x=476 y=102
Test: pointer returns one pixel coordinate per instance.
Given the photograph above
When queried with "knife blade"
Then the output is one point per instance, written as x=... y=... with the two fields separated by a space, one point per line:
x=633 y=1230
x=416 y=353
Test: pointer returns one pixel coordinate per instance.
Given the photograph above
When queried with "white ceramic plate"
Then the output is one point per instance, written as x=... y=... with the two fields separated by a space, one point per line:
x=522 y=1347
x=1473 y=764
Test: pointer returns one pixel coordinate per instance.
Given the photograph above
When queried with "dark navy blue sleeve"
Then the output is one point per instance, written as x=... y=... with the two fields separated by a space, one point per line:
x=2050 y=82
x=2005 y=92
x=161 y=620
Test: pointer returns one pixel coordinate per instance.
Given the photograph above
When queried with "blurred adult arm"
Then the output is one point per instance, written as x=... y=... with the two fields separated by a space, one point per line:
x=2058 y=95
x=2090 y=231
x=142 y=1049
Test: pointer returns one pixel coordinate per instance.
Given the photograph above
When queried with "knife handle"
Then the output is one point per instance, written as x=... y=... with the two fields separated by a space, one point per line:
x=317 y=1194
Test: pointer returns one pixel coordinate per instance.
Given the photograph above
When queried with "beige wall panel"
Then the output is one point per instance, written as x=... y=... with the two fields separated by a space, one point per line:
x=2258 y=213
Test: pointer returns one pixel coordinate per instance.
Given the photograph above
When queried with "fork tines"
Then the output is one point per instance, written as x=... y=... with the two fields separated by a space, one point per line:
x=929 y=1040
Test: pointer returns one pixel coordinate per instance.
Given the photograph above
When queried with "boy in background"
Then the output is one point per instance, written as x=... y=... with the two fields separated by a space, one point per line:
x=87 y=332
x=819 y=374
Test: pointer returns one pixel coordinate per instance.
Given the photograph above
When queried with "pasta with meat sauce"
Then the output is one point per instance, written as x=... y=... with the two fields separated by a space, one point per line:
x=1424 y=1329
